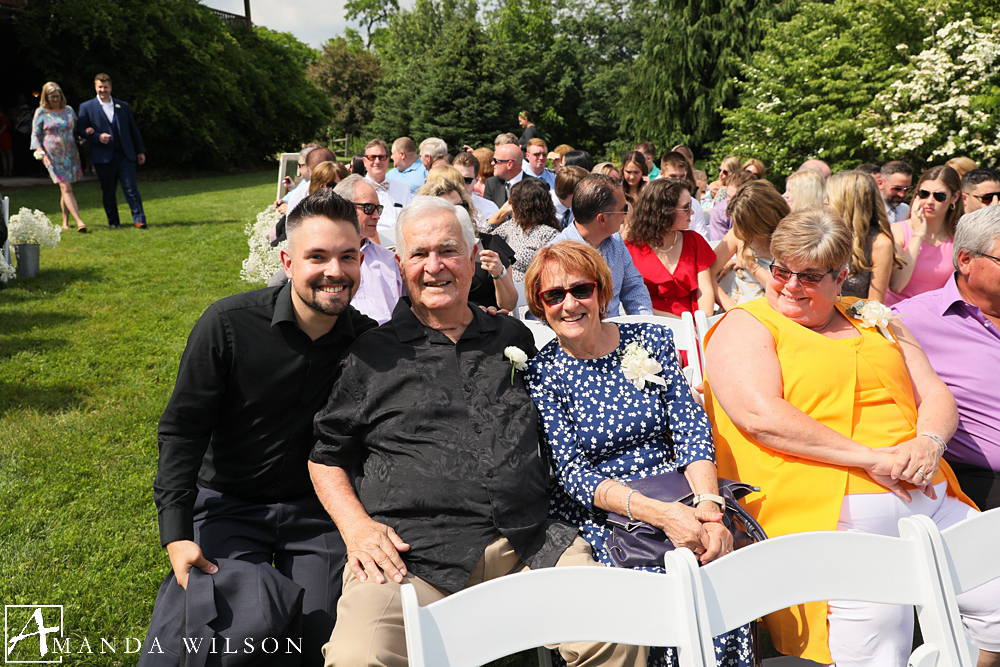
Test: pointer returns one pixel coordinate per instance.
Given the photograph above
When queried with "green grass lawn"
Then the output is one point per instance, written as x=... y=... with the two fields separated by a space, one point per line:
x=88 y=355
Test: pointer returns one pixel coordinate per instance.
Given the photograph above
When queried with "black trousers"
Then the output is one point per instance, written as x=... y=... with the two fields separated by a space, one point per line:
x=980 y=484
x=109 y=174
x=297 y=537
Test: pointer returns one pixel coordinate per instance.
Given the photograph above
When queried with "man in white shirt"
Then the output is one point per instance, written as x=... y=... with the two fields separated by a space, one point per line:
x=393 y=195
x=895 y=180
x=314 y=157
x=506 y=173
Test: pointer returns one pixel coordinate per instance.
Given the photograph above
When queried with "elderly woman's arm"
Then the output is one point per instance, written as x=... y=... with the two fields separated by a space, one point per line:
x=937 y=414
x=745 y=376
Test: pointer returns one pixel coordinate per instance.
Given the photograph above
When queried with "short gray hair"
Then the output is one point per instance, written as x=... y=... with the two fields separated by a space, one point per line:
x=977 y=232
x=434 y=147
x=421 y=207
x=347 y=188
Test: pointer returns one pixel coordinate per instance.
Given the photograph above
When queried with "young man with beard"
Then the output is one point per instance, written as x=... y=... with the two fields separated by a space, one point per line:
x=235 y=437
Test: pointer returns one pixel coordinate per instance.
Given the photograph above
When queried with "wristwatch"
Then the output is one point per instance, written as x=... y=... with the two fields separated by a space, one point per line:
x=502 y=273
x=702 y=497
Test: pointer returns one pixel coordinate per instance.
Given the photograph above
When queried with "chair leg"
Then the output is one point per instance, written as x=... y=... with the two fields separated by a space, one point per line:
x=545 y=657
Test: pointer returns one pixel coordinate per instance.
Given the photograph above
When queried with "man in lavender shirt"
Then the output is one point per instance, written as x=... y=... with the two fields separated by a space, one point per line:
x=957 y=328
x=381 y=285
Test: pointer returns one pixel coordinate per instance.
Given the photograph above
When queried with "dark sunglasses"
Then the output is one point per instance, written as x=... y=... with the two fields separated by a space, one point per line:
x=987 y=198
x=610 y=212
x=301 y=164
x=556 y=295
x=469 y=179
x=901 y=188
x=372 y=158
x=369 y=209
x=805 y=279
x=494 y=160
x=464 y=204
x=924 y=194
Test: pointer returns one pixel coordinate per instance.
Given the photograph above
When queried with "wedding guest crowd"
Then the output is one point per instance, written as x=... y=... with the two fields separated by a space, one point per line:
x=382 y=409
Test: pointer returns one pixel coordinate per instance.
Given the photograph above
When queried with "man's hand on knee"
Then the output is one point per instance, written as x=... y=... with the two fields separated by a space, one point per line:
x=373 y=549
x=185 y=554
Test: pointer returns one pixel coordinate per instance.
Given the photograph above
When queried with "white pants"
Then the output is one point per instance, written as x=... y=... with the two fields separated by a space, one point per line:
x=870 y=634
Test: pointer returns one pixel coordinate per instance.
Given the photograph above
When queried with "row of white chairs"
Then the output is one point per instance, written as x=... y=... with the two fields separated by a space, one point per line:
x=5 y=247
x=689 y=605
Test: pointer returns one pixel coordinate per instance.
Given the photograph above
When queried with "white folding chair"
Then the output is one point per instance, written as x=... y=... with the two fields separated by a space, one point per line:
x=541 y=331
x=966 y=556
x=794 y=569
x=685 y=338
x=702 y=324
x=551 y=606
x=522 y=302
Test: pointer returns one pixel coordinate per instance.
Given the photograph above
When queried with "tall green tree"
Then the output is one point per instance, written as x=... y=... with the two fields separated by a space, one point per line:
x=348 y=75
x=203 y=94
x=807 y=89
x=687 y=70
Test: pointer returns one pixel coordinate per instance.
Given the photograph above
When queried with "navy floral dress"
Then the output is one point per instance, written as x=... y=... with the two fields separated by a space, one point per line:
x=597 y=425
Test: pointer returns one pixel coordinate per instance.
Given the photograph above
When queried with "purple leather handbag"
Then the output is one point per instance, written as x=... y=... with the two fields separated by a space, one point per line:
x=635 y=543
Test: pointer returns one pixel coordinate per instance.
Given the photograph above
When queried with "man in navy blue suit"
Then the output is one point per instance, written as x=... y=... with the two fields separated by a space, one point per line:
x=116 y=147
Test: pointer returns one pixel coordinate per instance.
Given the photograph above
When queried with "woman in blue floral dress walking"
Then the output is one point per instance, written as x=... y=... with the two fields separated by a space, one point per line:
x=53 y=139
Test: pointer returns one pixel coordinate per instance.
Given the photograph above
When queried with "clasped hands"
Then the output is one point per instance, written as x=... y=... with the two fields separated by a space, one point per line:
x=914 y=461
x=700 y=530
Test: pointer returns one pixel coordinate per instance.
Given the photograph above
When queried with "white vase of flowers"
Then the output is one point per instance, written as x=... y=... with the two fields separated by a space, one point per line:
x=29 y=230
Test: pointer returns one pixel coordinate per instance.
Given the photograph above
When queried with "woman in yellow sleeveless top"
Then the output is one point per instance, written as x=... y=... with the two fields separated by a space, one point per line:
x=842 y=426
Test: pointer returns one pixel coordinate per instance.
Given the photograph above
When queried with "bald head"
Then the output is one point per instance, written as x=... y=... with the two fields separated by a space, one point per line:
x=817 y=165
x=509 y=158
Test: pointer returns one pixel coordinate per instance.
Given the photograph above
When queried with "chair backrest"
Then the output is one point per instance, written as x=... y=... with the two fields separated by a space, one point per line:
x=5 y=213
x=551 y=606
x=522 y=303
x=969 y=551
x=807 y=567
x=685 y=339
x=702 y=324
x=541 y=331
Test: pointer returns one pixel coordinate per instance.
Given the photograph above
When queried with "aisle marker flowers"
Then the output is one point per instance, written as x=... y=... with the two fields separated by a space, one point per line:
x=33 y=227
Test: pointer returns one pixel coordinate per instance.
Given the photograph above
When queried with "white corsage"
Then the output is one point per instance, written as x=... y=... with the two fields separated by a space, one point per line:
x=118 y=106
x=872 y=313
x=640 y=368
x=518 y=360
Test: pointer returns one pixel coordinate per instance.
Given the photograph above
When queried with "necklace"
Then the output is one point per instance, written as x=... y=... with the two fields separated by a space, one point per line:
x=669 y=247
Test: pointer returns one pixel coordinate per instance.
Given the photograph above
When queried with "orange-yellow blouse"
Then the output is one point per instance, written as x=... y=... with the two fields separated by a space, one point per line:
x=859 y=387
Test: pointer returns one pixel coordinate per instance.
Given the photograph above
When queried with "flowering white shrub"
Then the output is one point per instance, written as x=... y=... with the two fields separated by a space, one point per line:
x=33 y=227
x=263 y=260
x=930 y=111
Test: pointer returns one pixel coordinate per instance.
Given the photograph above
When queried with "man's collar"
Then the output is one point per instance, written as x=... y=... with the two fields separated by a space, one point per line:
x=408 y=328
x=414 y=166
x=284 y=311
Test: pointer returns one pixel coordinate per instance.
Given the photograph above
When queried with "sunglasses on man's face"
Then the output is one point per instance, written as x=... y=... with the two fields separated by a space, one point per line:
x=987 y=198
x=469 y=179
x=556 y=295
x=369 y=209
x=926 y=194
x=495 y=161
x=373 y=158
x=807 y=279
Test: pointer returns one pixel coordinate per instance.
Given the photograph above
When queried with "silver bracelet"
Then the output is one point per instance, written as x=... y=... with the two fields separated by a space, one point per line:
x=938 y=440
x=628 y=504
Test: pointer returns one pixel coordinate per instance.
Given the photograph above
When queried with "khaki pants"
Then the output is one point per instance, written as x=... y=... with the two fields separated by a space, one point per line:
x=369 y=628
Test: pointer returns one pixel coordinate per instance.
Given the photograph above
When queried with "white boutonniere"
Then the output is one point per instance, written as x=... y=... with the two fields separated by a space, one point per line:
x=640 y=368
x=118 y=106
x=518 y=360
x=872 y=313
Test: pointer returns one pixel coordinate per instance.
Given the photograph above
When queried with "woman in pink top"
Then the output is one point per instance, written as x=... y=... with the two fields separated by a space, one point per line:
x=924 y=242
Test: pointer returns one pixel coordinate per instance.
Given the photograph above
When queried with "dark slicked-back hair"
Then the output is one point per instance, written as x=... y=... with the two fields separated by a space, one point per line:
x=869 y=168
x=973 y=178
x=324 y=204
x=592 y=195
x=578 y=159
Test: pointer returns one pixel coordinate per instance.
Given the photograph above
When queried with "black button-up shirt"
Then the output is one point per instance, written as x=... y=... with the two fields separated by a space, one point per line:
x=240 y=418
x=444 y=447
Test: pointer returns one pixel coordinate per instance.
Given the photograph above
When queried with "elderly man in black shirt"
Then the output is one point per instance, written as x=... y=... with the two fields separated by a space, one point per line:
x=234 y=440
x=449 y=487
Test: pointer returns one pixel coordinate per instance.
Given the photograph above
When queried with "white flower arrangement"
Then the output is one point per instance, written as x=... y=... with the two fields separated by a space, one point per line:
x=7 y=271
x=33 y=227
x=872 y=313
x=263 y=260
x=518 y=360
x=639 y=367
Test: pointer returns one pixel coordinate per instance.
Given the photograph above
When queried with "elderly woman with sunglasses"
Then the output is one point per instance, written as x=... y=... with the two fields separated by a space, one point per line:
x=604 y=428
x=841 y=418
x=924 y=242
